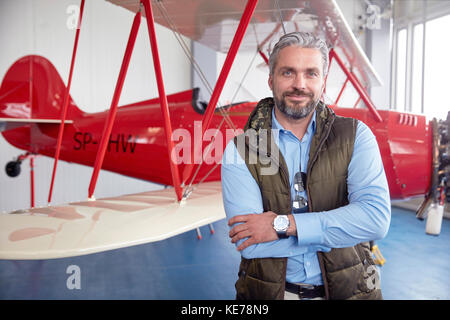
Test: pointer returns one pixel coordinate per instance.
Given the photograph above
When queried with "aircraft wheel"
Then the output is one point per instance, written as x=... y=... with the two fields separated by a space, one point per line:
x=13 y=169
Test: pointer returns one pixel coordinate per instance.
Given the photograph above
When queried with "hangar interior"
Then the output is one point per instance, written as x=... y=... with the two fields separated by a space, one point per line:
x=401 y=38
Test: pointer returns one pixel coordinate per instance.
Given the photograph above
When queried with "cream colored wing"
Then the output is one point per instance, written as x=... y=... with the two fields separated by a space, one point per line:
x=94 y=226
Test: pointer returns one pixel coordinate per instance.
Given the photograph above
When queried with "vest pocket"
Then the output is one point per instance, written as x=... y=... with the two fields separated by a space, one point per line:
x=250 y=288
x=261 y=278
x=371 y=273
x=352 y=274
x=343 y=272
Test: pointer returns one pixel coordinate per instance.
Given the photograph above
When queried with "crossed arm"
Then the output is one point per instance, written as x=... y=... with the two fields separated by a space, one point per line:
x=257 y=228
x=365 y=218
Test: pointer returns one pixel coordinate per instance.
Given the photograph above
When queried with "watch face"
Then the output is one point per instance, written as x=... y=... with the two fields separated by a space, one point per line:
x=281 y=223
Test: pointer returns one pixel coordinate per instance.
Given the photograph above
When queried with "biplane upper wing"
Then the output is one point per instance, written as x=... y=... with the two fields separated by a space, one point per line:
x=214 y=23
x=93 y=226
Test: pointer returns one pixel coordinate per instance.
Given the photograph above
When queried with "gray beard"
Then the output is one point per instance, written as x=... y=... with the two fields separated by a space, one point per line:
x=295 y=114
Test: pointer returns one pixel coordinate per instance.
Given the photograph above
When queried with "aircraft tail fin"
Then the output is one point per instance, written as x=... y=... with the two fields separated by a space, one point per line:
x=33 y=90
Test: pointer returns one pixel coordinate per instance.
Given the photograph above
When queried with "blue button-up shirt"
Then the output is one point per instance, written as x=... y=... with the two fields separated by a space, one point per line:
x=365 y=218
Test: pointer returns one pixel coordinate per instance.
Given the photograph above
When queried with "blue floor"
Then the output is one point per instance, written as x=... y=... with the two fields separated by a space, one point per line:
x=181 y=267
x=417 y=267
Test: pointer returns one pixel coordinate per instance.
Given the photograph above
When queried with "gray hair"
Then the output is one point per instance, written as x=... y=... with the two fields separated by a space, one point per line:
x=303 y=40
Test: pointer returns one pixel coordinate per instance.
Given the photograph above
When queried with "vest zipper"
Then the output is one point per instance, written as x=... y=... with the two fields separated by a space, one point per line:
x=310 y=164
x=316 y=154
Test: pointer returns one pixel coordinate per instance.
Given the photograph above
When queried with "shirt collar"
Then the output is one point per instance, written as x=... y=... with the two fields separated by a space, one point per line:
x=309 y=131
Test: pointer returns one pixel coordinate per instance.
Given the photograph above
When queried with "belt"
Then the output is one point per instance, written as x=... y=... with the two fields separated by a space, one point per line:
x=305 y=291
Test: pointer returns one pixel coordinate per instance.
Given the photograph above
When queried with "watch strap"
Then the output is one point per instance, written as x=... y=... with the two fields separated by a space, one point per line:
x=282 y=235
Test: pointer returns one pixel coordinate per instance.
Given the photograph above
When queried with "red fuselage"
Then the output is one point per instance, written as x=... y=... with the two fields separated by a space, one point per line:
x=137 y=145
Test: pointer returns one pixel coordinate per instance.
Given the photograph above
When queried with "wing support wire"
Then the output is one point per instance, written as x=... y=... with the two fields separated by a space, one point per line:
x=66 y=102
x=244 y=22
x=162 y=98
x=189 y=55
x=357 y=85
x=281 y=16
x=232 y=52
x=189 y=189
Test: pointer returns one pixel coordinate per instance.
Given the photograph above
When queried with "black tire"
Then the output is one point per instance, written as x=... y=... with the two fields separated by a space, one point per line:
x=12 y=169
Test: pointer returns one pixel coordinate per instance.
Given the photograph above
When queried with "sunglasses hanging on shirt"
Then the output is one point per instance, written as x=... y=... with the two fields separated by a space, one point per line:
x=299 y=203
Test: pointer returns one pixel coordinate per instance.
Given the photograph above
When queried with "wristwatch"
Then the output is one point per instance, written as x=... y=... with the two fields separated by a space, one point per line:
x=281 y=224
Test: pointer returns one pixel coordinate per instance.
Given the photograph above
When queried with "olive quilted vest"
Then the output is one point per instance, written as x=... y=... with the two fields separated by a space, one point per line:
x=345 y=271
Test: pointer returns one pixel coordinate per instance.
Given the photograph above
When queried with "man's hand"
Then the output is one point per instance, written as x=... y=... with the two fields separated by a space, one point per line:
x=256 y=227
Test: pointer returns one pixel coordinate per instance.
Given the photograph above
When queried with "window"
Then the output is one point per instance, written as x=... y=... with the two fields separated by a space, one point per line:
x=437 y=68
x=401 y=70
x=417 y=67
x=421 y=64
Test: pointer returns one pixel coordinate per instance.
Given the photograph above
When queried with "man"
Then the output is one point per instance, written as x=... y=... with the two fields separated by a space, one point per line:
x=303 y=229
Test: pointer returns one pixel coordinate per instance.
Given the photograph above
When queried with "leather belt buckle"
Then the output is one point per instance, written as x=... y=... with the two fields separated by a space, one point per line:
x=306 y=291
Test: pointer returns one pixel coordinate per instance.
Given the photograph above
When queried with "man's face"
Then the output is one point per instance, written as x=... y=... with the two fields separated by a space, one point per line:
x=297 y=81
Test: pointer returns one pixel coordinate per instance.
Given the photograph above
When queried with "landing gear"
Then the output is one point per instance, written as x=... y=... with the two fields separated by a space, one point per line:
x=13 y=168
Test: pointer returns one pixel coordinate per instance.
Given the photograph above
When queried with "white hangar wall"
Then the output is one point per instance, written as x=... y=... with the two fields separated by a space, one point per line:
x=40 y=27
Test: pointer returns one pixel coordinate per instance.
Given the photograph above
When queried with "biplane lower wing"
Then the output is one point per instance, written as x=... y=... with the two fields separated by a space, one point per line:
x=93 y=226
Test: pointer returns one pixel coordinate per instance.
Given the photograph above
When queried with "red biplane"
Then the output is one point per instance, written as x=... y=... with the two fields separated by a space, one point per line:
x=37 y=114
